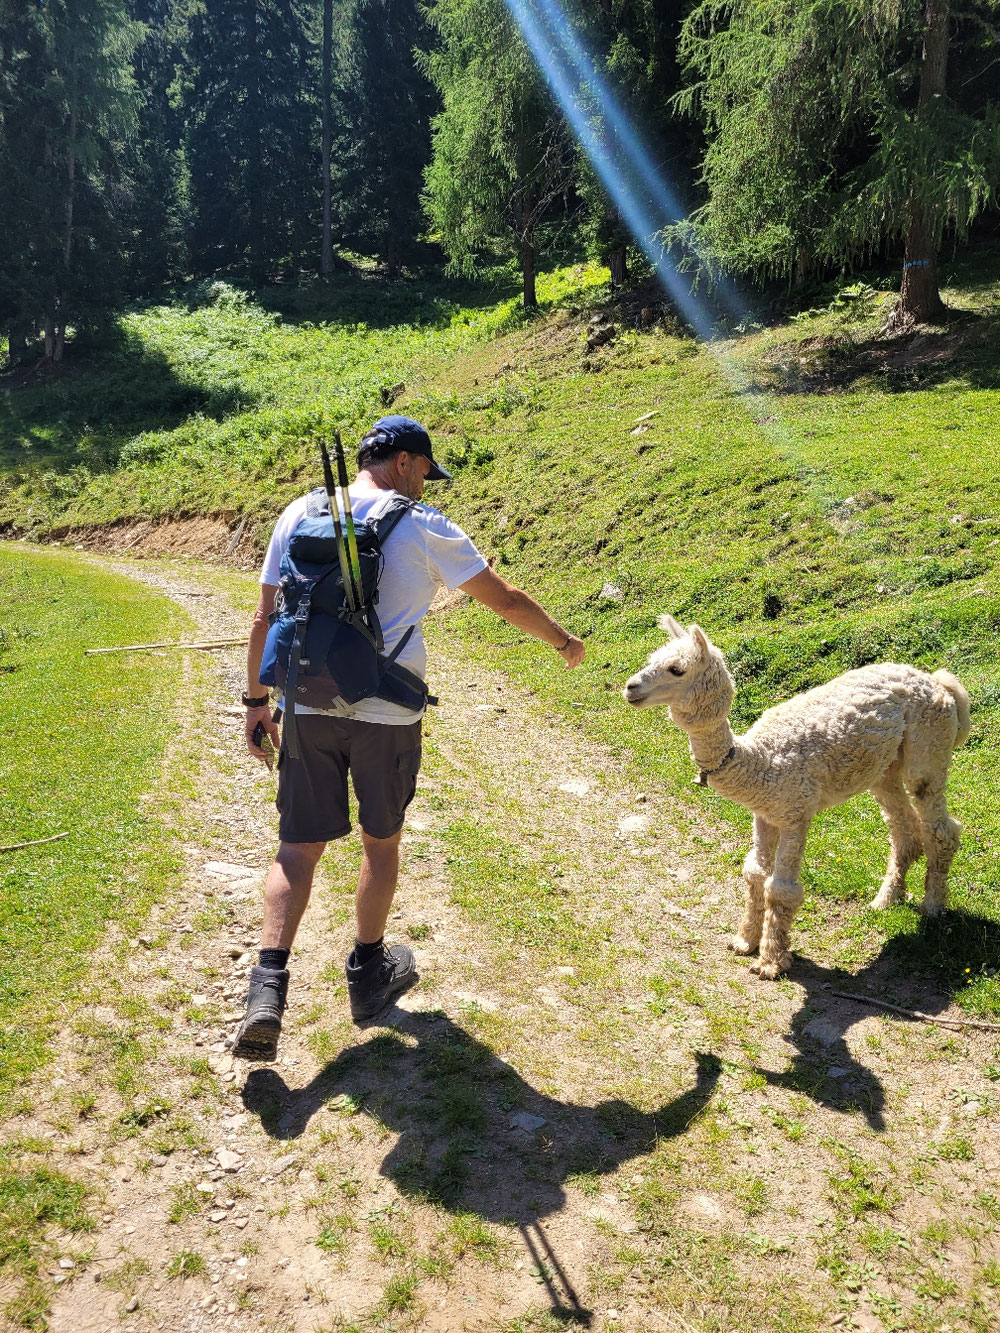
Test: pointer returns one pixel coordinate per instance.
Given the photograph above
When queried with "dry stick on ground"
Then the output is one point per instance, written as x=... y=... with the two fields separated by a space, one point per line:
x=916 y=1013
x=143 y=647
x=33 y=842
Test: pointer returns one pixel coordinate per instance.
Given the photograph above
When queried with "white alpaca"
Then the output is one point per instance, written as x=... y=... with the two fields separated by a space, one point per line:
x=886 y=729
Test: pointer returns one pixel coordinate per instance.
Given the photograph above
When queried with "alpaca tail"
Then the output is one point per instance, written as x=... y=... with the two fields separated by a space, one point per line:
x=961 y=696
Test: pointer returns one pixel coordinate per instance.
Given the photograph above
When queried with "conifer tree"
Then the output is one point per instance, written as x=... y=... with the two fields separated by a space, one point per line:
x=384 y=103
x=66 y=110
x=246 y=91
x=501 y=152
x=839 y=127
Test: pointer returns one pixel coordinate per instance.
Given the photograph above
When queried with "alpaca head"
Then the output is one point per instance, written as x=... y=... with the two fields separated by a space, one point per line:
x=688 y=674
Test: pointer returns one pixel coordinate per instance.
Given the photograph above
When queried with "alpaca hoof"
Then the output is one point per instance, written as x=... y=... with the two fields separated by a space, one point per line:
x=742 y=946
x=931 y=909
x=769 y=970
x=885 y=898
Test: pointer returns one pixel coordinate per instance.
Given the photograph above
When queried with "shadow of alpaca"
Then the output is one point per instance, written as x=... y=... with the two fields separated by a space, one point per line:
x=919 y=969
x=474 y=1135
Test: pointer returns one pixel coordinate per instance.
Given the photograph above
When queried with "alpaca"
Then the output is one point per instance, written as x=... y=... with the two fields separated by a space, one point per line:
x=886 y=729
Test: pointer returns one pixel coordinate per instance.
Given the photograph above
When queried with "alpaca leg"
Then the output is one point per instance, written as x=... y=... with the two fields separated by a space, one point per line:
x=904 y=836
x=940 y=835
x=782 y=898
x=756 y=868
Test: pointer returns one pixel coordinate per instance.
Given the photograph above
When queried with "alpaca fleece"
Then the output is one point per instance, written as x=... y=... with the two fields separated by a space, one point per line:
x=887 y=729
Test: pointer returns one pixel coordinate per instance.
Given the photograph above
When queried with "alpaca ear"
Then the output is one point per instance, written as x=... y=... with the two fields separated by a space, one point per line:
x=700 y=641
x=671 y=626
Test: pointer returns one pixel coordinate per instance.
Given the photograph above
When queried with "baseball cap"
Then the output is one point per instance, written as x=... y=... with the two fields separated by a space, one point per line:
x=405 y=433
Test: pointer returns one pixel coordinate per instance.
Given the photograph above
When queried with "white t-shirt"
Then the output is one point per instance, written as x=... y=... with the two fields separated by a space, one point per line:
x=424 y=551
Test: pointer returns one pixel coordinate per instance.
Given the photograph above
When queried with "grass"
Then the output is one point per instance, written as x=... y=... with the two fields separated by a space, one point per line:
x=32 y=1201
x=198 y=406
x=103 y=720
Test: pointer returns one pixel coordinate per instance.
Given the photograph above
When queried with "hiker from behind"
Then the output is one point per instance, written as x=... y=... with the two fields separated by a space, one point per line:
x=354 y=696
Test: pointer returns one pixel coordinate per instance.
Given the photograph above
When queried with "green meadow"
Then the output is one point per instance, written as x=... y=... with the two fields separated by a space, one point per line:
x=816 y=496
x=83 y=745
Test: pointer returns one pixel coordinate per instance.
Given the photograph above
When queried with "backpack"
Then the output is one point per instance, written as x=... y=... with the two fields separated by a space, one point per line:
x=317 y=650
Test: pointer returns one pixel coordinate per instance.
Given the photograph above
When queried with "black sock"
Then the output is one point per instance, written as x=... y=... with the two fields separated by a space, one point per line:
x=275 y=959
x=364 y=953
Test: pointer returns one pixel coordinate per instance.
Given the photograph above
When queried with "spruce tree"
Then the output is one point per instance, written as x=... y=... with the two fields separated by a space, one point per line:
x=502 y=156
x=249 y=107
x=838 y=128
x=384 y=103
x=66 y=111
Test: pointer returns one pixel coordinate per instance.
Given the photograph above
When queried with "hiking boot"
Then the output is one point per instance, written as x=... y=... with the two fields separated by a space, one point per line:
x=257 y=1037
x=371 y=986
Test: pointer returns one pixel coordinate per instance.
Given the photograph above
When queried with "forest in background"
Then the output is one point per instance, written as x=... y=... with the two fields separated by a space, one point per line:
x=145 y=144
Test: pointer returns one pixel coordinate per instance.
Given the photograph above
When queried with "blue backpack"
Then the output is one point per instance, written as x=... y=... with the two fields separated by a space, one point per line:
x=317 y=650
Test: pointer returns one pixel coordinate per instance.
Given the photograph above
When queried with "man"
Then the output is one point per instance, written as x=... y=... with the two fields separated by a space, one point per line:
x=376 y=741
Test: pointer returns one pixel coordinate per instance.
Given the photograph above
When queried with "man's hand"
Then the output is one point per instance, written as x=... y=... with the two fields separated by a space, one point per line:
x=574 y=652
x=253 y=717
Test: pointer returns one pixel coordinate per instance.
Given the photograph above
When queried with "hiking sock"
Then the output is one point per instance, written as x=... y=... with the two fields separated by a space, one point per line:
x=274 y=959
x=364 y=953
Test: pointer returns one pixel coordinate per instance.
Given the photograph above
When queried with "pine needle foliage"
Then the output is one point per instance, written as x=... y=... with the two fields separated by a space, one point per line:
x=834 y=126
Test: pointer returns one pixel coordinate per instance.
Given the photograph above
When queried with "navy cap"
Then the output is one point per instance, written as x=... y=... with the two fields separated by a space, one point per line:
x=406 y=434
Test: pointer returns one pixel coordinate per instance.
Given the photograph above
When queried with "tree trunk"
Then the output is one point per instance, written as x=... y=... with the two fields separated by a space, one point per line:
x=17 y=341
x=70 y=169
x=919 y=298
x=528 y=267
x=326 y=260
x=50 y=336
x=528 y=249
x=618 y=264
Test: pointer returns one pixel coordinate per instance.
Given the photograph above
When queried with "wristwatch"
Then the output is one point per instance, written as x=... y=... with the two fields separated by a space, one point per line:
x=255 y=703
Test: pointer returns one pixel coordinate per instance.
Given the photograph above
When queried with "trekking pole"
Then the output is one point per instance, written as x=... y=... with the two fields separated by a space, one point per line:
x=351 y=536
x=331 y=492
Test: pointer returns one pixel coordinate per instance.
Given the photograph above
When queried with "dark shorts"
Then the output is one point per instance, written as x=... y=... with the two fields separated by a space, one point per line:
x=383 y=761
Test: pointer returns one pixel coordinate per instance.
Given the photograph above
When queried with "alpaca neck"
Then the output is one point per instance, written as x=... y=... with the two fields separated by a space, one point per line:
x=711 y=743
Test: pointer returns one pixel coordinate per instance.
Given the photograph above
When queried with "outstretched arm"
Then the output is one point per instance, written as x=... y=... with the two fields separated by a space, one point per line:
x=524 y=612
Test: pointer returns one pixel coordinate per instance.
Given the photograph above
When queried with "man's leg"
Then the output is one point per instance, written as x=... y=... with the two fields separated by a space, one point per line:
x=375 y=974
x=376 y=885
x=289 y=883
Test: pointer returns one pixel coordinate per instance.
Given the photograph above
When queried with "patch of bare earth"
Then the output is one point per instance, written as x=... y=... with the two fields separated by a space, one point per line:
x=583 y=1104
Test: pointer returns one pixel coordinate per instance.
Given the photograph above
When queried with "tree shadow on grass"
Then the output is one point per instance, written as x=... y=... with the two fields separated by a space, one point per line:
x=965 y=350
x=100 y=399
x=380 y=303
x=473 y=1134
x=920 y=969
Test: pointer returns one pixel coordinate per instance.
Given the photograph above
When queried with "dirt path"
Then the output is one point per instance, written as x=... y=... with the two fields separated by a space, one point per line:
x=587 y=1111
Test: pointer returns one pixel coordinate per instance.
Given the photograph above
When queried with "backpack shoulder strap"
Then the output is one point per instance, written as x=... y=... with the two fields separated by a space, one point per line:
x=395 y=508
x=317 y=502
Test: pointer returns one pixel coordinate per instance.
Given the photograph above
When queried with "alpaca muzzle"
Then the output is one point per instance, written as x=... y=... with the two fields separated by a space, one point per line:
x=635 y=691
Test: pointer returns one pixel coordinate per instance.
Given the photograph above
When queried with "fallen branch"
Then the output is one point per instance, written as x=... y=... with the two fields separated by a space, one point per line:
x=917 y=1013
x=33 y=842
x=144 y=647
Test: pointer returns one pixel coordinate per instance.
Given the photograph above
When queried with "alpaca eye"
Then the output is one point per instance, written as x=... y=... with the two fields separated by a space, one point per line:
x=676 y=670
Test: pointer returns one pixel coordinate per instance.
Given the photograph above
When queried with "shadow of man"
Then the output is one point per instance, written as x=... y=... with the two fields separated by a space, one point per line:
x=920 y=969
x=474 y=1135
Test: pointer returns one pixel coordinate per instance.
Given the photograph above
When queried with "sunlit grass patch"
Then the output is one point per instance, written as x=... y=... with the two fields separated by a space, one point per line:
x=88 y=745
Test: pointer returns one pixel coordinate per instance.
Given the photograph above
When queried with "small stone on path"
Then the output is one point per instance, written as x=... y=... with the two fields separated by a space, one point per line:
x=225 y=870
x=526 y=1122
x=633 y=824
x=574 y=788
x=283 y=1163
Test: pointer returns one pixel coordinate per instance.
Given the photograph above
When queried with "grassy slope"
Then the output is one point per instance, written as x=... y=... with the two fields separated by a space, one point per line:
x=749 y=529
x=846 y=513
x=204 y=407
